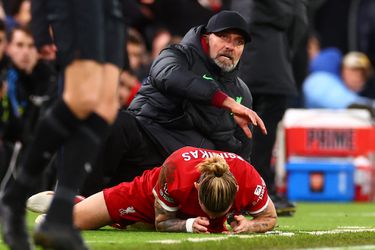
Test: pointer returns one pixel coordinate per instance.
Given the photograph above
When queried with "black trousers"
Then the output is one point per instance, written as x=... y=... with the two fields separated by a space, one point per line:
x=271 y=109
x=87 y=29
x=127 y=152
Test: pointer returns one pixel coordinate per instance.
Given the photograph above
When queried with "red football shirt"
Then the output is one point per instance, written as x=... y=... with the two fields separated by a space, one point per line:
x=175 y=190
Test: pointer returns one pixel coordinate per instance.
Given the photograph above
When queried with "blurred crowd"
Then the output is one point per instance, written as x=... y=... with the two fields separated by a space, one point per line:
x=335 y=56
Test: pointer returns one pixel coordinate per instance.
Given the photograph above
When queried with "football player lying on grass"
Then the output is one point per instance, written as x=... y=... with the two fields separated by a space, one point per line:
x=195 y=190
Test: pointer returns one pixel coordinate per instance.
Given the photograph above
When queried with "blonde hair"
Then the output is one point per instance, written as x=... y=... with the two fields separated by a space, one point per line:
x=218 y=187
x=359 y=60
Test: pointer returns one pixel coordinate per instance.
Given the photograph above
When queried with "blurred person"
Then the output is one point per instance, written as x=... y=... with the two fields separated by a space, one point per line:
x=161 y=40
x=137 y=54
x=277 y=28
x=21 y=49
x=3 y=91
x=18 y=13
x=348 y=25
x=335 y=81
x=88 y=37
x=128 y=88
x=191 y=97
x=312 y=46
x=3 y=43
x=136 y=68
x=30 y=85
x=195 y=190
x=2 y=12
x=356 y=70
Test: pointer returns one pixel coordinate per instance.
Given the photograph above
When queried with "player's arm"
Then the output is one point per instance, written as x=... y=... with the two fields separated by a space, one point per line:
x=166 y=221
x=261 y=222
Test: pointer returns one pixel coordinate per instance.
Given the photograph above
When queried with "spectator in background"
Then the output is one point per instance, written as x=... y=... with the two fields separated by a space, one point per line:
x=3 y=90
x=348 y=25
x=162 y=39
x=128 y=88
x=137 y=54
x=335 y=82
x=18 y=13
x=356 y=70
x=137 y=68
x=266 y=67
x=140 y=61
x=30 y=85
x=2 y=11
x=3 y=43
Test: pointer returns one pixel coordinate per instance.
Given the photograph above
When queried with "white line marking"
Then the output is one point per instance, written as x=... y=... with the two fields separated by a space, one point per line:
x=165 y=241
x=341 y=214
x=365 y=247
x=339 y=230
x=207 y=239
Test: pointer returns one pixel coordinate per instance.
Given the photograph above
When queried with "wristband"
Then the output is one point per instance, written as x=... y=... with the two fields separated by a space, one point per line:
x=189 y=225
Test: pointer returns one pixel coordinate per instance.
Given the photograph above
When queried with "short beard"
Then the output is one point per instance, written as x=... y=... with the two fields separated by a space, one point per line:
x=226 y=67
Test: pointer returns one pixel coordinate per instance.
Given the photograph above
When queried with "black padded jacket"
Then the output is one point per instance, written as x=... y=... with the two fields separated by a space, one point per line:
x=175 y=108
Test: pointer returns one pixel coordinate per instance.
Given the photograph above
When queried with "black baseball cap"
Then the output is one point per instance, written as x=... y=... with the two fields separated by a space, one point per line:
x=227 y=19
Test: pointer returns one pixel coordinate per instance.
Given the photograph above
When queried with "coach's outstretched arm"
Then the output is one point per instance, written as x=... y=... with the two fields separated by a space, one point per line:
x=261 y=222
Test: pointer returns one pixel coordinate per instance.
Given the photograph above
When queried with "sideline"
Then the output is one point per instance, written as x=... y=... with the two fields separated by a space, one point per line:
x=339 y=230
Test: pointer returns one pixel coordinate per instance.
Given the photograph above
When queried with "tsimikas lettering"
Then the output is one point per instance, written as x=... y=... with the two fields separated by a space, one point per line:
x=203 y=154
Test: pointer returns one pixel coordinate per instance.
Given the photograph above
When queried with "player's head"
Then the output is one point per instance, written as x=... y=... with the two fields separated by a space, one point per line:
x=217 y=187
x=226 y=35
x=21 y=49
x=356 y=70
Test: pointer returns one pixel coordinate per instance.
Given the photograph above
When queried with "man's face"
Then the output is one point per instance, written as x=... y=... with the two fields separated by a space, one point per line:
x=226 y=48
x=354 y=78
x=22 y=51
x=23 y=16
x=135 y=54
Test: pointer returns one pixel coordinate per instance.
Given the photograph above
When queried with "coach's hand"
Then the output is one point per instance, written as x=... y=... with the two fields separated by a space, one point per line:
x=243 y=116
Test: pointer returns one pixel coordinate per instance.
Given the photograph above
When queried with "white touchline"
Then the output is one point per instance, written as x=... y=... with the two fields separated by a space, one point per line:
x=364 y=247
x=339 y=230
x=341 y=214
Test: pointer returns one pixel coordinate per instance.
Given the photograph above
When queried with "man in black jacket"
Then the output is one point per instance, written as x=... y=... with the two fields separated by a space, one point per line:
x=191 y=97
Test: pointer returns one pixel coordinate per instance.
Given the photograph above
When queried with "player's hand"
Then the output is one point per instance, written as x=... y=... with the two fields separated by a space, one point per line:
x=48 y=52
x=200 y=225
x=240 y=224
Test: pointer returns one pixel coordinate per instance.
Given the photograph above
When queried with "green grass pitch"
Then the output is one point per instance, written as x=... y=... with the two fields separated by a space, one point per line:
x=315 y=225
